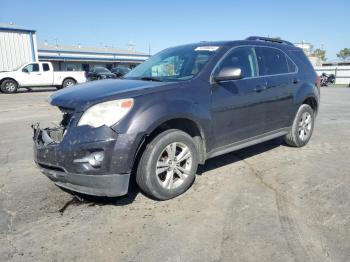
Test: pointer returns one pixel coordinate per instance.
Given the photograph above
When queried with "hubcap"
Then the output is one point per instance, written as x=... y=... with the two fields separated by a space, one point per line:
x=174 y=165
x=69 y=83
x=305 y=125
x=10 y=86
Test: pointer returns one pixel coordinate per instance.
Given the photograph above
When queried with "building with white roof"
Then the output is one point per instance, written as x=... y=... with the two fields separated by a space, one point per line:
x=19 y=45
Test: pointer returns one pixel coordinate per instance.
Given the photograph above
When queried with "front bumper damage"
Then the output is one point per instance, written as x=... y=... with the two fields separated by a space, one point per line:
x=62 y=154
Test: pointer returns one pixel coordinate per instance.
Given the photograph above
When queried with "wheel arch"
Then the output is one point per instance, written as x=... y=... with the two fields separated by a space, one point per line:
x=307 y=94
x=187 y=125
x=9 y=78
x=312 y=102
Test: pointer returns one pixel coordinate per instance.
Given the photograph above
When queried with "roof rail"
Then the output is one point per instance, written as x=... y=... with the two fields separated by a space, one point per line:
x=268 y=39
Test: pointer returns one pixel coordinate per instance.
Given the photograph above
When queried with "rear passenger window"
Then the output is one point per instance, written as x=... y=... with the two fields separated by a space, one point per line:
x=243 y=58
x=46 y=67
x=271 y=61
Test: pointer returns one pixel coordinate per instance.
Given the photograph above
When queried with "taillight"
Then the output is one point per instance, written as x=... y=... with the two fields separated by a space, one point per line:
x=318 y=82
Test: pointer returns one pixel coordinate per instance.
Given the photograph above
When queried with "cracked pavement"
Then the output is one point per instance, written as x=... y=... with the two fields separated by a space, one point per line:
x=268 y=202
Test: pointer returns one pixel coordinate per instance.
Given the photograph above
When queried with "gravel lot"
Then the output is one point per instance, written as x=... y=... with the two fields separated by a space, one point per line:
x=266 y=203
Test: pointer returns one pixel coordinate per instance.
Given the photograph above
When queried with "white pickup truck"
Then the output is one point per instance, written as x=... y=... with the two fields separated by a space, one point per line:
x=38 y=74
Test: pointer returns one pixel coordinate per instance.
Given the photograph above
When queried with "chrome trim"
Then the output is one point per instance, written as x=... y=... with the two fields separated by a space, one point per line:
x=247 y=142
x=211 y=78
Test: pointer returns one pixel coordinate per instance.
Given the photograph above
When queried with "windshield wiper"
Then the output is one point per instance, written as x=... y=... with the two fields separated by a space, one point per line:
x=149 y=78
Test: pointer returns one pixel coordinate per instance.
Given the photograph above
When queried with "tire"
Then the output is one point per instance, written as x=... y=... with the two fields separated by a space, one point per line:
x=169 y=182
x=68 y=82
x=9 y=86
x=302 y=128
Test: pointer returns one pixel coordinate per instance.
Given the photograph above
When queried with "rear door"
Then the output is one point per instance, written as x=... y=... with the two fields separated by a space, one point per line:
x=46 y=75
x=280 y=74
x=238 y=108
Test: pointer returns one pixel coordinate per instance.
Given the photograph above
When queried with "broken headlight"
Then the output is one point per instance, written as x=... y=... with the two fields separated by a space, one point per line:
x=106 y=113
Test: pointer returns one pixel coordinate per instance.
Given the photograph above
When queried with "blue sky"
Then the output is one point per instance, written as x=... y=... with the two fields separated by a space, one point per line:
x=167 y=23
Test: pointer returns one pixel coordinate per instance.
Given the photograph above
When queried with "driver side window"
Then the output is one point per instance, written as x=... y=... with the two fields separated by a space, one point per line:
x=243 y=58
x=31 y=68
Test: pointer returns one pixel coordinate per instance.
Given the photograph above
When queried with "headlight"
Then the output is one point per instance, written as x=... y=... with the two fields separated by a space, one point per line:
x=107 y=113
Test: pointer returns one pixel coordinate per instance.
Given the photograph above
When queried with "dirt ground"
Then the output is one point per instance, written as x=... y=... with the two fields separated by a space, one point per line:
x=268 y=202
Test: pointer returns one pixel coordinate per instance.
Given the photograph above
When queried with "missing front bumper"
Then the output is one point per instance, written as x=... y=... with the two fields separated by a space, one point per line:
x=55 y=152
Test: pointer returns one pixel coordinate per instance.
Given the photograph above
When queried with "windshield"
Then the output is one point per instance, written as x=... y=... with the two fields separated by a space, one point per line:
x=173 y=64
x=17 y=68
x=101 y=70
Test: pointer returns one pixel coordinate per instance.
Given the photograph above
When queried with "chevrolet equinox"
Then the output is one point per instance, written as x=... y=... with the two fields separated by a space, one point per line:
x=182 y=106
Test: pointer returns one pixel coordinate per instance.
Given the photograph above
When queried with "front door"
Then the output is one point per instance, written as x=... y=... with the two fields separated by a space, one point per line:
x=30 y=75
x=238 y=106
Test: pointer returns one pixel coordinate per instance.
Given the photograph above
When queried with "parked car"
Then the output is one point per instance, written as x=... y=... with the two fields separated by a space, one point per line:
x=38 y=74
x=98 y=73
x=120 y=71
x=327 y=79
x=181 y=107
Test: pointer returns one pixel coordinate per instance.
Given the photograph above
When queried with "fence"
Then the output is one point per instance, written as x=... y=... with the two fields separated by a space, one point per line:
x=342 y=73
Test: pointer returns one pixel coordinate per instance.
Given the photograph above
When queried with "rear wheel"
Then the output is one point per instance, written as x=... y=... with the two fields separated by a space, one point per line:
x=168 y=165
x=9 y=86
x=302 y=128
x=68 y=82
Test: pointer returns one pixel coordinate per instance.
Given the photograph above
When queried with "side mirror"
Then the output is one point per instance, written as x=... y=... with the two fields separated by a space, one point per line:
x=228 y=73
x=25 y=70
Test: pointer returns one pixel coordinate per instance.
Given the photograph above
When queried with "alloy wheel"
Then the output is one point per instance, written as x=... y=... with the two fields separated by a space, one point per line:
x=305 y=126
x=173 y=165
x=10 y=87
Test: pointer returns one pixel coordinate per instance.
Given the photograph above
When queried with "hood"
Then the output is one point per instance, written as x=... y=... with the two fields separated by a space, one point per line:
x=81 y=96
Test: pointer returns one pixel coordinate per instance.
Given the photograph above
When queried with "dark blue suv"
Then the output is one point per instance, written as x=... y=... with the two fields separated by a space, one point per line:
x=181 y=107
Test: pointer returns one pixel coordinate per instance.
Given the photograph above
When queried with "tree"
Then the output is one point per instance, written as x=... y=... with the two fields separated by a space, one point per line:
x=321 y=54
x=344 y=54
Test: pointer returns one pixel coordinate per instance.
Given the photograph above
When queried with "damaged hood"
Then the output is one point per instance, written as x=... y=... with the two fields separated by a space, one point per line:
x=82 y=96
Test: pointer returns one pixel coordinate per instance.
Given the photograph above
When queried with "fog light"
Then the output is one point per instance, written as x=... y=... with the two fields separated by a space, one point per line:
x=96 y=158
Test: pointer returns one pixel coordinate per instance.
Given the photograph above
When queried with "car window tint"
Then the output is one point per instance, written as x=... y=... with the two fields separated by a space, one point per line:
x=46 y=67
x=199 y=62
x=291 y=66
x=32 y=68
x=243 y=58
x=271 y=61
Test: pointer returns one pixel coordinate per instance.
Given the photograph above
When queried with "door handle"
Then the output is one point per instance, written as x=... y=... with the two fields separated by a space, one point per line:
x=38 y=74
x=260 y=88
x=296 y=81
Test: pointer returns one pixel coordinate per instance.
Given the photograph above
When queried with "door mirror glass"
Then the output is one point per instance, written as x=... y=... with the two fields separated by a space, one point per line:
x=228 y=73
x=25 y=70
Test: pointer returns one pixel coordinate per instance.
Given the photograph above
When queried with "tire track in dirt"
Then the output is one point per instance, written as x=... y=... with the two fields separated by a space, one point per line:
x=296 y=240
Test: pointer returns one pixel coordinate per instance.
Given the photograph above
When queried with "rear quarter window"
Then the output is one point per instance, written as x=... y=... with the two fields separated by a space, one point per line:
x=292 y=68
x=301 y=60
x=46 y=67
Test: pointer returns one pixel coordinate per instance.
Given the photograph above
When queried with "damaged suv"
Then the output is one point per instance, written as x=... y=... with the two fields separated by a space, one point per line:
x=181 y=107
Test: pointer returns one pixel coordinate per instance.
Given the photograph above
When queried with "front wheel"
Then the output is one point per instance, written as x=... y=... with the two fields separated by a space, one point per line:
x=302 y=127
x=68 y=82
x=168 y=165
x=9 y=86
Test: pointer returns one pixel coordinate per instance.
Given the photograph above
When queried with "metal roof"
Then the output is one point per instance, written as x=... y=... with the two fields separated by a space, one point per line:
x=13 y=27
x=42 y=47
